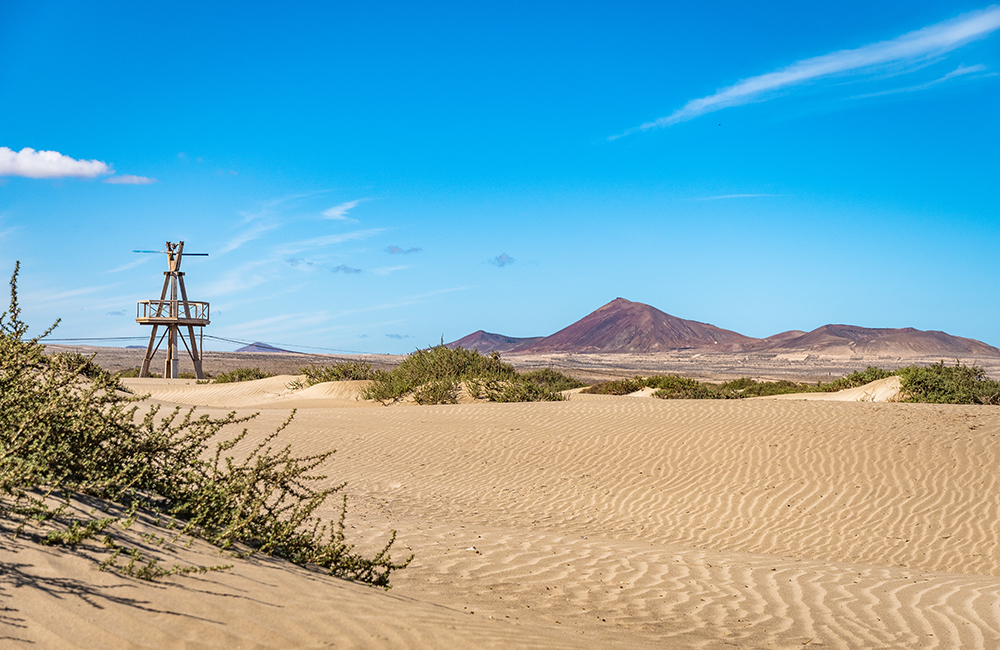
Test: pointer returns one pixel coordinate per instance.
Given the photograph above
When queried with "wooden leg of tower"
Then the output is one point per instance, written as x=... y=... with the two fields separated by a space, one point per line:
x=195 y=353
x=171 y=366
x=144 y=371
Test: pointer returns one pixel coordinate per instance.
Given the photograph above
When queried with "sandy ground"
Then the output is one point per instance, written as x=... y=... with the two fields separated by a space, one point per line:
x=618 y=522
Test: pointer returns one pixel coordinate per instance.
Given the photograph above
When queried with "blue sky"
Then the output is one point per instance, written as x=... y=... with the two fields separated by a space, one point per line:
x=370 y=177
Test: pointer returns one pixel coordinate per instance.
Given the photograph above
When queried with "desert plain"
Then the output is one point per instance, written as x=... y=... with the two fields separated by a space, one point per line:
x=596 y=522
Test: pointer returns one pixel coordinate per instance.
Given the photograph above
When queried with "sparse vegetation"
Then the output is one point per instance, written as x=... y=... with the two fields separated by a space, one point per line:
x=343 y=371
x=242 y=374
x=551 y=379
x=941 y=384
x=66 y=436
x=938 y=383
x=76 y=363
x=436 y=374
x=617 y=386
x=858 y=378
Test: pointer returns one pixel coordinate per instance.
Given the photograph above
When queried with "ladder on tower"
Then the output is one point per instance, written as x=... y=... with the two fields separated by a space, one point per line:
x=174 y=313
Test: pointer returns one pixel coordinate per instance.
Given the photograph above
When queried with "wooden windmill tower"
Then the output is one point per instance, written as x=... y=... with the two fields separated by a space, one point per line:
x=173 y=314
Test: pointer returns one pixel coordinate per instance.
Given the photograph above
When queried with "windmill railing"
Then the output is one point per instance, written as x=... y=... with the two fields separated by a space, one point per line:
x=172 y=311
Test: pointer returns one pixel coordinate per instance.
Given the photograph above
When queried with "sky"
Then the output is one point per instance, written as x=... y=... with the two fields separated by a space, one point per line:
x=376 y=177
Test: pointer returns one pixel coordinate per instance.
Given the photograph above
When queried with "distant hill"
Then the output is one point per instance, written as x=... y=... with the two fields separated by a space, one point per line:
x=626 y=326
x=869 y=341
x=486 y=342
x=260 y=347
x=623 y=326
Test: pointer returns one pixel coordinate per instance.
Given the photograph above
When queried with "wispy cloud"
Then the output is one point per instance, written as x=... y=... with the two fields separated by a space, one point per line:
x=267 y=208
x=339 y=212
x=396 y=250
x=405 y=302
x=277 y=324
x=911 y=49
x=502 y=260
x=961 y=71
x=129 y=179
x=39 y=298
x=398 y=337
x=130 y=265
x=241 y=278
x=49 y=164
x=327 y=240
x=386 y=270
x=343 y=268
x=245 y=237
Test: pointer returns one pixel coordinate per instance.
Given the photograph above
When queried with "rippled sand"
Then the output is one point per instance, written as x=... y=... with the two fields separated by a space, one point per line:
x=595 y=522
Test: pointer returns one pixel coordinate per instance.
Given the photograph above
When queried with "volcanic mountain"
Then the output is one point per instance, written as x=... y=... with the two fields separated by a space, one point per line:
x=626 y=326
x=259 y=347
x=623 y=326
x=486 y=342
x=868 y=341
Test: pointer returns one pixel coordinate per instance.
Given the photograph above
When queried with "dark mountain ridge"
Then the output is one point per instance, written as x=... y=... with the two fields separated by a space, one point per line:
x=623 y=326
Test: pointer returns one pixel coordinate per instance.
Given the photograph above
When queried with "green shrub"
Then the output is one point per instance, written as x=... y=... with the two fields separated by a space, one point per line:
x=511 y=390
x=617 y=387
x=343 y=371
x=674 y=387
x=434 y=365
x=438 y=391
x=941 y=384
x=76 y=363
x=857 y=378
x=242 y=374
x=746 y=387
x=551 y=379
x=434 y=376
x=64 y=435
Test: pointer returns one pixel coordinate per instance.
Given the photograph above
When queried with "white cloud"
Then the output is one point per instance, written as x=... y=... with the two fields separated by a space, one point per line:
x=247 y=236
x=339 y=212
x=130 y=265
x=961 y=71
x=319 y=242
x=909 y=49
x=129 y=179
x=268 y=207
x=386 y=270
x=246 y=276
x=48 y=164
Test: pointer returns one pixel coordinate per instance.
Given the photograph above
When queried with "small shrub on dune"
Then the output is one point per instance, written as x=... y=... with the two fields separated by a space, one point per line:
x=746 y=387
x=65 y=436
x=674 y=387
x=242 y=374
x=433 y=376
x=438 y=391
x=76 y=363
x=513 y=391
x=857 y=378
x=941 y=384
x=343 y=371
x=617 y=387
x=551 y=379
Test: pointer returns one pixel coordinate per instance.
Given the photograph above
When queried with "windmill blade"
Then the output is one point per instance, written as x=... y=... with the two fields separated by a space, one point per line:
x=165 y=252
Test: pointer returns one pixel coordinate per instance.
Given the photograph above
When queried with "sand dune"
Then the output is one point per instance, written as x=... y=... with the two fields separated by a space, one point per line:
x=597 y=522
x=270 y=393
x=883 y=390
